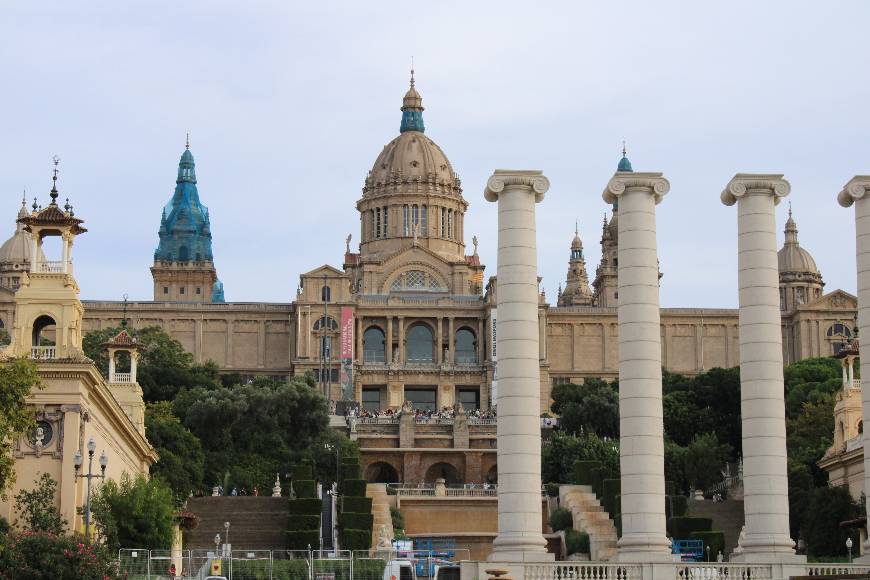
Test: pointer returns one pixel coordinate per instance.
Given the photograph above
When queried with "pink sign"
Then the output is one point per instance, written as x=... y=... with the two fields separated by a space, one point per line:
x=346 y=333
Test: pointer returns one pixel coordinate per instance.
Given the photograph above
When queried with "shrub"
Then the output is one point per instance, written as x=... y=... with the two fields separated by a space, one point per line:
x=37 y=507
x=358 y=505
x=714 y=540
x=599 y=474
x=576 y=542
x=305 y=488
x=561 y=519
x=552 y=489
x=135 y=512
x=305 y=507
x=304 y=523
x=680 y=505
x=583 y=471
x=670 y=488
x=610 y=489
x=300 y=540
x=681 y=528
x=356 y=539
x=303 y=472
x=354 y=487
x=397 y=518
x=352 y=521
x=289 y=569
x=45 y=555
x=351 y=471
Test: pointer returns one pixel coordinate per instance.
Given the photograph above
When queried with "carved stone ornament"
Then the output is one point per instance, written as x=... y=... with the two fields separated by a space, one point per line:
x=857 y=188
x=654 y=183
x=531 y=179
x=747 y=183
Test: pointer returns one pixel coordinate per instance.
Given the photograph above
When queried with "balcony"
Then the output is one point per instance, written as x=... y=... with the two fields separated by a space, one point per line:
x=43 y=352
x=121 y=378
x=50 y=267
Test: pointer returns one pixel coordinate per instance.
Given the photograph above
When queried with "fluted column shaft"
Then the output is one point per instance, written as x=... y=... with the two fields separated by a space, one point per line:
x=857 y=192
x=520 y=535
x=762 y=403
x=641 y=428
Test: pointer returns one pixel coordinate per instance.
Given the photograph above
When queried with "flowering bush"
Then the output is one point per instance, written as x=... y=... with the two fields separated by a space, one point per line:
x=42 y=555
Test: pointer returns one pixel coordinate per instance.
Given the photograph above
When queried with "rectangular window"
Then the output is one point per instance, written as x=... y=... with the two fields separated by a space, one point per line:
x=181 y=291
x=378 y=223
x=386 y=223
x=199 y=290
x=469 y=397
x=407 y=224
x=423 y=398
x=424 y=221
x=443 y=231
x=561 y=381
x=371 y=398
x=166 y=289
x=450 y=224
x=416 y=214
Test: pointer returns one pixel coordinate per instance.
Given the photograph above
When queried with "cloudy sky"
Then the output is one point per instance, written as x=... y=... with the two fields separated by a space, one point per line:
x=289 y=103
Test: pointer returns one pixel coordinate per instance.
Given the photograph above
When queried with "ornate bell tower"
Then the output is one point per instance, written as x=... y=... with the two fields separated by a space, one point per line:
x=48 y=313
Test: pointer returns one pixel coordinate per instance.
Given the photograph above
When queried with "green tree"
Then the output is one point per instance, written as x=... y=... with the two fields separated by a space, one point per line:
x=182 y=460
x=810 y=434
x=134 y=513
x=45 y=556
x=18 y=377
x=592 y=406
x=558 y=456
x=37 y=509
x=704 y=459
x=164 y=368
x=827 y=507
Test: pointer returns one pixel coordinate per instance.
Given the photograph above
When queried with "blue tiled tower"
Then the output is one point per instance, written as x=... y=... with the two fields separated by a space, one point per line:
x=183 y=268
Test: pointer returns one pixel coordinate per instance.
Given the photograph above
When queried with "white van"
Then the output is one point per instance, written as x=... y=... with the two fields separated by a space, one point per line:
x=400 y=570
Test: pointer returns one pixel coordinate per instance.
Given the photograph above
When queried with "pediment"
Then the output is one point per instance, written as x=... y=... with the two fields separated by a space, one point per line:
x=836 y=300
x=324 y=270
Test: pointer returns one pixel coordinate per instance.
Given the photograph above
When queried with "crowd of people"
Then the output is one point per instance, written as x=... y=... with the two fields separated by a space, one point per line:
x=423 y=415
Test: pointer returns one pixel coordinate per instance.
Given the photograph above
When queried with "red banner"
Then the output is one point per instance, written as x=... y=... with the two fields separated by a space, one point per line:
x=346 y=333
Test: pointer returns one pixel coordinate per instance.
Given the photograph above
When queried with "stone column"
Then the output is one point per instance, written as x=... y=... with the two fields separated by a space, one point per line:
x=856 y=192
x=762 y=403
x=439 y=355
x=402 y=339
x=641 y=445
x=451 y=355
x=520 y=535
x=388 y=348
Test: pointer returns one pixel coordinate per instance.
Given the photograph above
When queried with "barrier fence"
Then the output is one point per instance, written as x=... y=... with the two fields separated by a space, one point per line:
x=142 y=564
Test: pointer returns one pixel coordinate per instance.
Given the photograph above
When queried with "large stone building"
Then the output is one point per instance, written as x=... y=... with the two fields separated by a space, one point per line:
x=409 y=315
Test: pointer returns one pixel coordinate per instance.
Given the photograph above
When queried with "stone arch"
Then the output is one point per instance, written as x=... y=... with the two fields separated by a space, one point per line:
x=382 y=472
x=424 y=267
x=43 y=331
x=491 y=475
x=443 y=470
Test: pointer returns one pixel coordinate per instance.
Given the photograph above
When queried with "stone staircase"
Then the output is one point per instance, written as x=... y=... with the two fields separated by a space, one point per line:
x=591 y=518
x=256 y=523
x=380 y=511
x=727 y=517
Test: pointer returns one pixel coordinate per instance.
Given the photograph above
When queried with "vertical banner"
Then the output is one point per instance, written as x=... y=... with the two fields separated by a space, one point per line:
x=347 y=342
x=493 y=356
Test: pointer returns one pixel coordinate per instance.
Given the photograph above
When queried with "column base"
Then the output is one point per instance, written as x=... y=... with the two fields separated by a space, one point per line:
x=865 y=559
x=520 y=549
x=645 y=548
x=519 y=556
x=768 y=558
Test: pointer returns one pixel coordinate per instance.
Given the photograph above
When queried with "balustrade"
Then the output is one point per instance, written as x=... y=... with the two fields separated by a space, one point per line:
x=122 y=378
x=51 y=267
x=43 y=352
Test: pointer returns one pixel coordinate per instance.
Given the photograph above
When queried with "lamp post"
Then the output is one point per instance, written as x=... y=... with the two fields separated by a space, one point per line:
x=849 y=547
x=227 y=534
x=77 y=462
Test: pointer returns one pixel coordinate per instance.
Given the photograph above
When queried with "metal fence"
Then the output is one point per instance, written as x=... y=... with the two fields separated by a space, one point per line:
x=141 y=564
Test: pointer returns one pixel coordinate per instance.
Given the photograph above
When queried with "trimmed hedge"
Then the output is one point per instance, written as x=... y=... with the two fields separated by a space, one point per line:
x=303 y=472
x=356 y=539
x=305 y=507
x=681 y=505
x=357 y=505
x=300 y=540
x=617 y=521
x=354 y=521
x=617 y=505
x=611 y=489
x=599 y=474
x=715 y=541
x=351 y=471
x=681 y=528
x=354 y=487
x=304 y=523
x=583 y=471
x=670 y=488
x=561 y=519
x=576 y=542
x=305 y=488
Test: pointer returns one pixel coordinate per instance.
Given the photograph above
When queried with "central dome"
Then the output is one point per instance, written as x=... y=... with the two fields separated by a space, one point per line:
x=412 y=162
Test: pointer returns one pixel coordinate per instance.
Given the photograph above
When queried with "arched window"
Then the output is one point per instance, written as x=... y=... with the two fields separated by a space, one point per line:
x=838 y=336
x=421 y=344
x=325 y=294
x=466 y=346
x=373 y=345
x=839 y=329
x=44 y=331
x=326 y=323
x=416 y=281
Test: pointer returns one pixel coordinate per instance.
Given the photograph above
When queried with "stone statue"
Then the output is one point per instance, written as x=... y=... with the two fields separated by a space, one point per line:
x=347 y=243
x=474 y=241
x=276 y=489
x=740 y=539
x=416 y=232
x=39 y=436
x=407 y=407
x=383 y=540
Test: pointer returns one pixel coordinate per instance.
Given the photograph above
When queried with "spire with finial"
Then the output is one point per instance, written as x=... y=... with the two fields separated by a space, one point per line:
x=791 y=230
x=624 y=163
x=412 y=108
x=53 y=194
x=187 y=141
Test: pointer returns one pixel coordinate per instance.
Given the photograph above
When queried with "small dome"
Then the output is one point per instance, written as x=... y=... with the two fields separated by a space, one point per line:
x=792 y=257
x=16 y=250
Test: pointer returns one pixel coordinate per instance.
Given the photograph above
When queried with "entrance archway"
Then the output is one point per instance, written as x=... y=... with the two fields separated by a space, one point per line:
x=44 y=331
x=445 y=471
x=381 y=472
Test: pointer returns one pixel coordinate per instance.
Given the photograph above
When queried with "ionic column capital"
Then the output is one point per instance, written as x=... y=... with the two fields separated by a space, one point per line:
x=764 y=183
x=654 y=183
x=532 y=180
x=857 y=188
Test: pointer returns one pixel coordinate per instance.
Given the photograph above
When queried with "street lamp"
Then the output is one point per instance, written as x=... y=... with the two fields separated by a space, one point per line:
x=849 y=547
x=77 y=463
x=227 y=534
